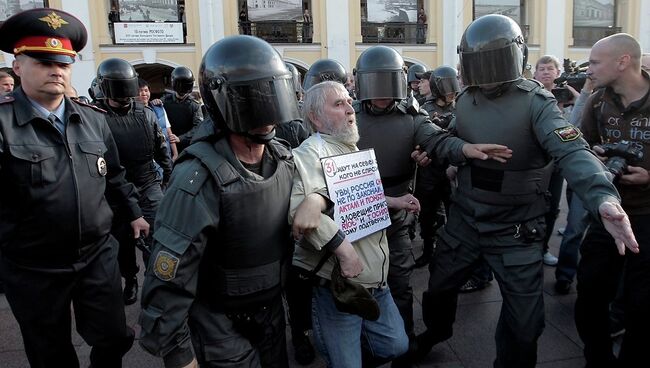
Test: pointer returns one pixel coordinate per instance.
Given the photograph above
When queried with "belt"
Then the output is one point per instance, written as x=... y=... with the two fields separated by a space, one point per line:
x=325 y=283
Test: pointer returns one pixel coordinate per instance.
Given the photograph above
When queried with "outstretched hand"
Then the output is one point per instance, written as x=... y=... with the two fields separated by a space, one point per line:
x=484 y=151
x=618 y=225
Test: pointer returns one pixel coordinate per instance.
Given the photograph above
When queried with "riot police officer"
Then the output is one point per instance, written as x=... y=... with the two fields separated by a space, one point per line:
x=139 y=141
x=394 y=130
x=432 y=185
x=413 y=81
x=59 y=168
x=183 y=111
x=498 y=209
x=322 y=70
x=222 y=231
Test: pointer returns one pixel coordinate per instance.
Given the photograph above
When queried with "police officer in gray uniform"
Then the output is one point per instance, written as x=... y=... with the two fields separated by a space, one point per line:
x=212 y=288
x=498 y=209
x=139 y=141
x=59 y=168
x=183 y=111
x=394 y=130
x=413 y=81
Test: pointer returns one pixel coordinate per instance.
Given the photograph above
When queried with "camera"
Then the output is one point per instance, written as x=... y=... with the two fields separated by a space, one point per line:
x=574 y=75
x=620 y=154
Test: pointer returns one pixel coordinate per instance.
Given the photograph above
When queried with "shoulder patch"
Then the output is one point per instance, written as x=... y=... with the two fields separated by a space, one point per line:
x=96 y=108
x=6 y=99
x=165 y=266
x=568 y=133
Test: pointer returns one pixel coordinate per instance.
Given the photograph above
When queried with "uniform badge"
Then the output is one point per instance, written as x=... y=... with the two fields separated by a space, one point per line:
x=568 y=133
x=165 y=266
x=53 y=20
x=101 y=166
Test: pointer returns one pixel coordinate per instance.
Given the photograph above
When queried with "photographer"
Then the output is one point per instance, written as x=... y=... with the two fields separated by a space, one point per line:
x=616 y=115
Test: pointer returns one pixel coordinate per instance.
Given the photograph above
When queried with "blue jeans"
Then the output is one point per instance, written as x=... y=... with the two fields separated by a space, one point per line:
x=340 y=336
x=576 y=224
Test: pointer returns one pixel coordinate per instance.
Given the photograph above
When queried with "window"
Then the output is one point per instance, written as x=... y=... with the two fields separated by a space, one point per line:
x=393 y=22
x=514 y=9
x=275 y=21
x=593 y=20
x=147 y=21
x=9 y=7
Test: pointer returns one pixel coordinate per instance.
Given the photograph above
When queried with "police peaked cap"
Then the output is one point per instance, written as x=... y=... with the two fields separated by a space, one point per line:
x=45 y=34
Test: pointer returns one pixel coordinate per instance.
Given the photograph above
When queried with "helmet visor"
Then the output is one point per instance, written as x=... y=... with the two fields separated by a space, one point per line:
x=257 y=103
x=492 y=66
x=447 y=85
x=379 y=85
x=119 y=88
x=184 y=87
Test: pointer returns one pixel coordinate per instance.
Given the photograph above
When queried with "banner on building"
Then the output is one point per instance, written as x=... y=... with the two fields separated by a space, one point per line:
x=261 y=10
x=354 y=185
x=384 y=11
x=127 y=33
x=149 y=11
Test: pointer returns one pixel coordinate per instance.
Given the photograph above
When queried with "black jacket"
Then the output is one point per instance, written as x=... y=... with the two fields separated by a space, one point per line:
x=54 y=188
x=184 y=116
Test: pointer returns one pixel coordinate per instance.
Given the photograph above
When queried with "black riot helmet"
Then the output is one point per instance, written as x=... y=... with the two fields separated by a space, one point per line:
x=94 y=91
x=443 y=81
x=182 y=80
x=249 y=88
x=380 y=74
x=492 y=50
x=295 y=75
x=117 y=79
x=324 y=70
x=415 y=68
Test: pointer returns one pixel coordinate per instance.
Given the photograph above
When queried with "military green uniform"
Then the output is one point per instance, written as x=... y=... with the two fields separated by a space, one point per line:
x=394 y=134
x=498 y=211
x=213 y=280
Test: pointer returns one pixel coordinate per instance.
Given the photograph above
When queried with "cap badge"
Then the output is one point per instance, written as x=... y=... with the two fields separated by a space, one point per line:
x=53 y=43
x=53 y=20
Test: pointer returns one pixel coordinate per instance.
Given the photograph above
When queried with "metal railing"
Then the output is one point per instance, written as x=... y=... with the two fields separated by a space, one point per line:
x=394 y=32
x=279 y=31
x=587 y=36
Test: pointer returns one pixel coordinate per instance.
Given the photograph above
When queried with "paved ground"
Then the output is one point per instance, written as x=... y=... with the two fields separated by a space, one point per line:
x=472 y=345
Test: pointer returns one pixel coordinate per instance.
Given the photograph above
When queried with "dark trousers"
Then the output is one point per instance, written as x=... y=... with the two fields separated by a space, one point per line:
x=41 y=301
x=517 y=266
x=432 y=198
x=150 y=197
x=252 y=339
x=298 y=293
x=555 y=188
x=401 y=266
x=599 y=271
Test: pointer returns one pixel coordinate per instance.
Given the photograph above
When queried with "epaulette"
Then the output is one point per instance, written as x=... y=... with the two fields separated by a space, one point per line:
x=6 y=99
x=529 y=84
x=96 y=108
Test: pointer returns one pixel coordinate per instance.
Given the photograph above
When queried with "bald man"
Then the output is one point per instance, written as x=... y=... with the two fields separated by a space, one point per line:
x=617 y=113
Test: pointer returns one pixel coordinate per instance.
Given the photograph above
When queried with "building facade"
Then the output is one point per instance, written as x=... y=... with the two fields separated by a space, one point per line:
x=158 y=35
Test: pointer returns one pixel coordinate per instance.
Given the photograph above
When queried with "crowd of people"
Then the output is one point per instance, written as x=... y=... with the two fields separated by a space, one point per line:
x=228 y=202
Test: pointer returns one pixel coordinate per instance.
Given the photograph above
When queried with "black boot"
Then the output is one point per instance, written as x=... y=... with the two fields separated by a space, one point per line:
x=303 y=350
x=130 y=290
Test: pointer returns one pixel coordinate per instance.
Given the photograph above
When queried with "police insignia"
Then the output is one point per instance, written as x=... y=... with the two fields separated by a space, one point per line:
x=53 y=20
x=568 y=133
x=101 y=166
x=165 y=266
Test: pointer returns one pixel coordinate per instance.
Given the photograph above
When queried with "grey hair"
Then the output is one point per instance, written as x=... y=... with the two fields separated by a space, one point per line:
x=314 y=100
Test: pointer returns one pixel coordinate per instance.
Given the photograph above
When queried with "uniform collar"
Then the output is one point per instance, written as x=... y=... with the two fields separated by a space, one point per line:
x=26 y=112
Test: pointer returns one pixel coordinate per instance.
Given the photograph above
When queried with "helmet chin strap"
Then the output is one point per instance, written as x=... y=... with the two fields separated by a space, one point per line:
x=260 y=138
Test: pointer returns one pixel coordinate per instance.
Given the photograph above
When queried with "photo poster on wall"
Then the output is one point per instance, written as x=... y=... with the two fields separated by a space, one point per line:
x=509 y=8
x=11 y=7
x=148 y=11
x=593 y=13
x=385 y=11
x=261 y=10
